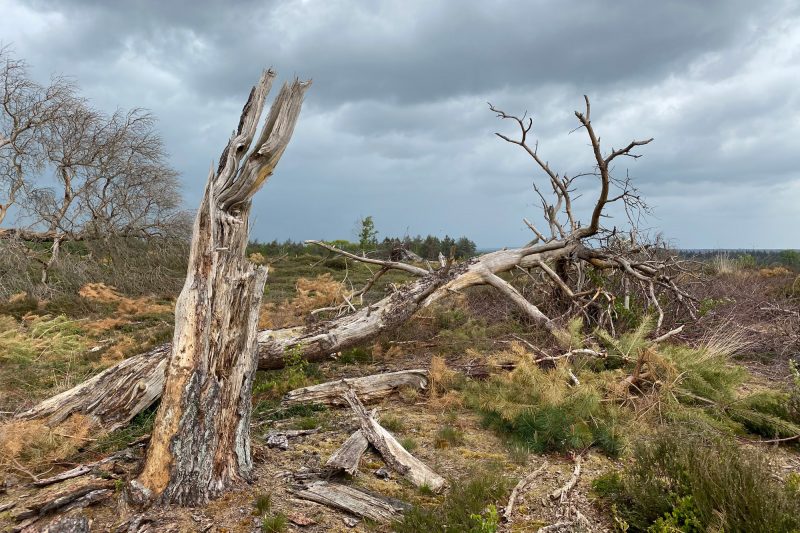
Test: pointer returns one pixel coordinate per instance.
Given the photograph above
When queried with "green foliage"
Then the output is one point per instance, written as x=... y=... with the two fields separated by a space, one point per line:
x=683 y=517
x=408 y=443
x=467 y=508
x=296 y=373
x=488 y=522
x=275 y=523
x=262 y=504
x=358 y=355
x=537 y=409
x=448 y=436
x=695 y=482
x=393 y=423
x=39 y=354
x=367 y=235
x=450 y=318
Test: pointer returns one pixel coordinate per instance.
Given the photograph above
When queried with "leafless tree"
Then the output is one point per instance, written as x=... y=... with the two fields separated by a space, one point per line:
x=74 y=173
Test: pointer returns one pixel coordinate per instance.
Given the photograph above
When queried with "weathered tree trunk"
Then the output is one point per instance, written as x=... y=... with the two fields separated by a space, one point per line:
x=200 y=442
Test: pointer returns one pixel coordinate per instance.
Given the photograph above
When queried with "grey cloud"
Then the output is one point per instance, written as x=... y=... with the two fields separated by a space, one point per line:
x=396 y=124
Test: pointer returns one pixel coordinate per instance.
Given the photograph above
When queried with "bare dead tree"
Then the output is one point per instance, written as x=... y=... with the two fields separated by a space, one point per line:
x=560 y=257
x=27 y=108
x=200 y=442
x=74 y=173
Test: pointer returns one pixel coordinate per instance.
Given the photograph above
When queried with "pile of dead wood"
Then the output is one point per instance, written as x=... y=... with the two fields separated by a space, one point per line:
x=318 y=488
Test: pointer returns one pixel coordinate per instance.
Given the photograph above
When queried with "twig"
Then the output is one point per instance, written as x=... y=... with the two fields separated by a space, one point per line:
x=562 y=492
x=523 y=483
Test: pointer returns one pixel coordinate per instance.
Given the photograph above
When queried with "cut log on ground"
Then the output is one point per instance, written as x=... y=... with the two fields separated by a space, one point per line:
x=348 y=457
x=356 y=501
x=397 y=457
x=368 y=388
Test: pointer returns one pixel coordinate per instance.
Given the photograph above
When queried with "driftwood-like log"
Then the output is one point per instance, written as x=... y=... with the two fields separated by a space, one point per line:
x=397 y=457
x=562 y=492
x=368 y=388
x=348 y=457
x=113 y=397
x=356 y=501
x=127 y=388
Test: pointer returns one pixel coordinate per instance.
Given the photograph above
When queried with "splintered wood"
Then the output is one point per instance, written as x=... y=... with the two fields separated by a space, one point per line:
x=417 y=472
x=348 y=457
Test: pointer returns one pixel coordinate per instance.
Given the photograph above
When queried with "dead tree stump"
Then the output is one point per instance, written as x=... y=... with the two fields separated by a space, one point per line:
x=200 y=442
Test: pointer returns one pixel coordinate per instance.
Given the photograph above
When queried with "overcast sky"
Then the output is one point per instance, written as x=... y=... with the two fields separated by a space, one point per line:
x=396 y=123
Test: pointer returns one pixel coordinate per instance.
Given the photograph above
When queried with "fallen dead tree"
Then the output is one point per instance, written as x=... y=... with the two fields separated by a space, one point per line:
x=560 y=261
x=368 y=388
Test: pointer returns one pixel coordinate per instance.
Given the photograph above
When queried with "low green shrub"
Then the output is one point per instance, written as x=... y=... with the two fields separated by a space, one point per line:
x=275 y=523
x=537 y=409
x=682 y=481
x=448 y=436
x=469 y=507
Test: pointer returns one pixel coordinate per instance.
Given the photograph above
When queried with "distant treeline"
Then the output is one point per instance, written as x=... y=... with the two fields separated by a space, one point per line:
x=748 y=258
x=426 y=247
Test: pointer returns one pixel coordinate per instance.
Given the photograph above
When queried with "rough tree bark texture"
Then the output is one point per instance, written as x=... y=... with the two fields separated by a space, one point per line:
x=200 y=442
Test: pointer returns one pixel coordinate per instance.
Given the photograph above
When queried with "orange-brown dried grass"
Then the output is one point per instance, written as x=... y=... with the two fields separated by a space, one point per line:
x=30 y=447
x=311 y=294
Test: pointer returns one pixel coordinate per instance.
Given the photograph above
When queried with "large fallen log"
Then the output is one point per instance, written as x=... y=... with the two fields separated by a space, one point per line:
x=397 y=457
x=368 y=388
x=116 y=395
x=353 y=500
x=125 y=389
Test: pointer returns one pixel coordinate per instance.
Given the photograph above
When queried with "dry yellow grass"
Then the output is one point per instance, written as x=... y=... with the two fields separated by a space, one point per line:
x=100 y=292
x=311 y=294
x=29 y=447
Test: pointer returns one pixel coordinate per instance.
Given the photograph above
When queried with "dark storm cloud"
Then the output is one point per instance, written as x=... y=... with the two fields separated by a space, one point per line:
x=396 y=124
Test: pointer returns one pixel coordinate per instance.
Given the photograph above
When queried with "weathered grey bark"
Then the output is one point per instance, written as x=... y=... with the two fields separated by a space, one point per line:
x=74 y=495
x=353 y=500
x=392 y=451
x=368 y=388
x=200 y=442
x=348 y=457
